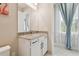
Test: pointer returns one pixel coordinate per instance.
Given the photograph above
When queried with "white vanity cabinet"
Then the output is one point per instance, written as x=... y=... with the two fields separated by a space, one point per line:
x=32 y=47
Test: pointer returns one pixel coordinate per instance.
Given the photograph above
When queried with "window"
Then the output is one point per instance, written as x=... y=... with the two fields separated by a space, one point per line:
x=62 y=24
x=75 y=22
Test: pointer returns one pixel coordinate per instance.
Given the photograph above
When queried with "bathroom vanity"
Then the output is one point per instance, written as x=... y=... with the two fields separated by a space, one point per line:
x=34 y=44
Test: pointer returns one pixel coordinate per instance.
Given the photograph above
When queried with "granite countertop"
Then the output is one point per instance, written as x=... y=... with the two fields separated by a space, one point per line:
x=32 y=35
x=31 y=32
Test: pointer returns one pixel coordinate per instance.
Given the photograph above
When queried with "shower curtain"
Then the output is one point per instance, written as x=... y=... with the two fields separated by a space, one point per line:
x=66 y=39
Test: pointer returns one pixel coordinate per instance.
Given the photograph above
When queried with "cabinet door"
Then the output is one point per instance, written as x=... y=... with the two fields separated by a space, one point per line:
x=35 y=48
x=44 y=41
x=23 y=47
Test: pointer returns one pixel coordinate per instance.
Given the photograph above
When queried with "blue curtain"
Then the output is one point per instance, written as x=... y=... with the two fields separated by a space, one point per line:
x=67 y=11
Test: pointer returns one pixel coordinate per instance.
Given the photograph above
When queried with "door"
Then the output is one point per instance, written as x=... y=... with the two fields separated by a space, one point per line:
x=35 y=48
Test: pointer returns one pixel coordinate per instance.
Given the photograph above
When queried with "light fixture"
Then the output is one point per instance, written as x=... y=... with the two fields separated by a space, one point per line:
x=33 y=6
x=36 y=4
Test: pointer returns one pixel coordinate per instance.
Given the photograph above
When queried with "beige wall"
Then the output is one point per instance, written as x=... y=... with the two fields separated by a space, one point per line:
x=41 y=20
x=8 y=28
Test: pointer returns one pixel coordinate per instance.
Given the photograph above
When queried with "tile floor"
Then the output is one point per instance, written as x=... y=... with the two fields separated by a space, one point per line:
x=60 y=51
x=48 y=54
